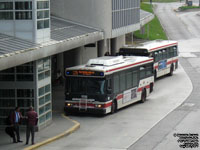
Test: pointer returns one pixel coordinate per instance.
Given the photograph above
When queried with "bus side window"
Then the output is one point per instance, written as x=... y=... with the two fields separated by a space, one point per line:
x=168 y=52
x=116 y=84
x=164 y=54
x=135 y=78
x=142 y=72
x=171 y=52
x=156 y=56
x=175 y=51
x=128 y=80
x=149 y=71
x=160 y=55
x=122 y=81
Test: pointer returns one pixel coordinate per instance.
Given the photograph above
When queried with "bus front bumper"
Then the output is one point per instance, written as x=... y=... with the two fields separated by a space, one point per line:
x=88 y=110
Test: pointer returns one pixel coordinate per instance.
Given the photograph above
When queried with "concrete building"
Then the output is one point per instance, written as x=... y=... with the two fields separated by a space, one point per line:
x=33 y=45
x=114 y=17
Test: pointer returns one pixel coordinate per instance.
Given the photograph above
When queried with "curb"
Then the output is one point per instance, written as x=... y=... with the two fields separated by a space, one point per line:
x=65 y=133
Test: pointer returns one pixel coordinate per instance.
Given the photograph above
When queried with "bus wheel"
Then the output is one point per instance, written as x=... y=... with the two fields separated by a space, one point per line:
x=151 y=87
x=171 y=70
x=155 y=75
x=143 y=96
x=113 y=107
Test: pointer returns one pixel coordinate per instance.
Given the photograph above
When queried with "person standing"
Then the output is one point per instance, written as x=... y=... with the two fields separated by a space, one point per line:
x=15 y=120
x=32 y=119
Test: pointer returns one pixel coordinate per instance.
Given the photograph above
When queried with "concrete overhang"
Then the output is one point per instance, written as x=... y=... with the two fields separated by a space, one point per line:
x=15 y=51
x=145 y=17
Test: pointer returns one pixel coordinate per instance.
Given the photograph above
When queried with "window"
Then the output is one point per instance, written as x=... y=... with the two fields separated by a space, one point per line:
x=149 y=71
x=7 y=102
x=142 y=72
x=156 y=57
x=122 y=82
x=43 y=5
x=47 y=107
x=129 y=80
x=6 y=15
x=23 y=15
x=135 y=79
x=24 y=77
x=7 y=93
x=43 y=14
x=47 y=88
x=41 y=110
x=23 y=5
x=6 y=5
x=41 y=91
x=175 y=51
x=41 y=101
x=43 y=24
x=25 y=93
x=47 y=98
x=116 y=83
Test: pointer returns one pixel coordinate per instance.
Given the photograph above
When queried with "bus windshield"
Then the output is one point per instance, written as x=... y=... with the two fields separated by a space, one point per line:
x=83 y=85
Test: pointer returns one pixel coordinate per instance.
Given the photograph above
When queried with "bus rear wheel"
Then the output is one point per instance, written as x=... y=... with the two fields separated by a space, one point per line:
x=143 y=96
x=113 y=107
x=151 y=87
x=171 y=70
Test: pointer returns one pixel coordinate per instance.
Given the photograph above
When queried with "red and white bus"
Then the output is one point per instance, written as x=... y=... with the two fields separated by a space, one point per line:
x=164 y=52
x=108 y=83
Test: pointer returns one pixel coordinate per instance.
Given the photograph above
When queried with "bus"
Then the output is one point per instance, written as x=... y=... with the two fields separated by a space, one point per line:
x=108 y=83
x=164 y=52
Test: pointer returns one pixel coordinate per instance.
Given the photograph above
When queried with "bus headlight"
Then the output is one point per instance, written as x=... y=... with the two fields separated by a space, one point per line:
x=69 y=104
x=99 y=106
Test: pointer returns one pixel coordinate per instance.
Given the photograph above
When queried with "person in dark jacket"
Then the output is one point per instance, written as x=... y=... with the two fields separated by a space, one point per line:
x=15 y=120
x=32 y=119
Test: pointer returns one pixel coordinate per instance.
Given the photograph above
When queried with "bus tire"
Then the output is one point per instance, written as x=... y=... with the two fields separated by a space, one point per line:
x=114 y=107
x=143 y=96
x=155 y=75
x=171 y=70
x=151 y=87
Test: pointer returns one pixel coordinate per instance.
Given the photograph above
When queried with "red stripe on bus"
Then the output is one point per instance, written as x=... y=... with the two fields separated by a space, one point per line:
x=119 y=96
x=163 y=46
x=141 y=88
x=107 y=105
x=128 y=65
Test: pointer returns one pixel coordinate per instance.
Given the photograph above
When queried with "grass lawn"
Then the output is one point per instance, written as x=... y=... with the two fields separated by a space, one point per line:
x=188 y=7
x=155 y=29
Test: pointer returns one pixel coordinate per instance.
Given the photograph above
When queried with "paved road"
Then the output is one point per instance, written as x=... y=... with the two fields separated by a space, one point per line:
x=182 y=26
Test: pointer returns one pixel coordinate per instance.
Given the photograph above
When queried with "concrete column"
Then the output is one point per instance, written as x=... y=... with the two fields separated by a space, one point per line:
x=60 y=62
x=117 y=43
x=102 y=47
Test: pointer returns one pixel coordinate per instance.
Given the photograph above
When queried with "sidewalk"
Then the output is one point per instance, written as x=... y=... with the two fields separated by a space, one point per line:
x=61 y=126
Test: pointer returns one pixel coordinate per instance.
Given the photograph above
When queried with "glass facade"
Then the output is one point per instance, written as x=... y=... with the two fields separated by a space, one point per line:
x=43 y=14
x=44 y=91
x=24 y=86
x=125 y=13
x=22 y=10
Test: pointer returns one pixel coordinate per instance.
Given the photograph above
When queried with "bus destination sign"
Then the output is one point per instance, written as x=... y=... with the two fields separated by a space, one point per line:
x=84 y=73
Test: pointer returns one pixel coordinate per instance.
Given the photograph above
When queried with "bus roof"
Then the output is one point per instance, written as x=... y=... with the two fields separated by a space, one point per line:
x=153 y=45
x=110 y=64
